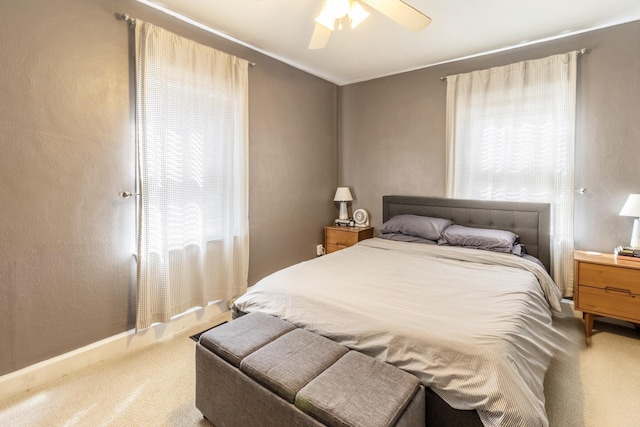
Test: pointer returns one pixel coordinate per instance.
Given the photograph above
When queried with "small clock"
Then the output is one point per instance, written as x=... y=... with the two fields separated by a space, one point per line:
x=361 y=218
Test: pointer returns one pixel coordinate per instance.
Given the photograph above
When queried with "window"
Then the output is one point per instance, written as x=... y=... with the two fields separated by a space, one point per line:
x=510 y=136
x=191 y=127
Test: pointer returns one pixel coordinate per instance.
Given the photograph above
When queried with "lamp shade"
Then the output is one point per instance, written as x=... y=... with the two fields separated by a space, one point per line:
x=631 y=206
x=343 y=195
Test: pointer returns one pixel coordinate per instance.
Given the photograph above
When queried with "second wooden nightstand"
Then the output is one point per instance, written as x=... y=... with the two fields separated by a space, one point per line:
x=336 y=238
x=606 y=286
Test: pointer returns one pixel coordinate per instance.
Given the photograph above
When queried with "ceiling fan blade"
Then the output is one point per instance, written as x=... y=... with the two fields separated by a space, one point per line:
x=401 y=13
x=320 y=37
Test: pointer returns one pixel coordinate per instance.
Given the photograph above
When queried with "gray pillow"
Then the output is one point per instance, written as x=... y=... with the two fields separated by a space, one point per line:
x=417 y=226
x=404 y=238
x=479 y=238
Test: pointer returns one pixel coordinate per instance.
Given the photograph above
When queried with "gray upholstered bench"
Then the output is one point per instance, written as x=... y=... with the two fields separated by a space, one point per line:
x=262 y=371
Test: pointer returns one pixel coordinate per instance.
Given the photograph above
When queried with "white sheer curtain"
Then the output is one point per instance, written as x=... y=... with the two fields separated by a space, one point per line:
x=192 y=142
x=510 y=136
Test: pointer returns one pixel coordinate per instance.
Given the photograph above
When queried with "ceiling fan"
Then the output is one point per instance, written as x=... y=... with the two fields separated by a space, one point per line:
x=334 y=11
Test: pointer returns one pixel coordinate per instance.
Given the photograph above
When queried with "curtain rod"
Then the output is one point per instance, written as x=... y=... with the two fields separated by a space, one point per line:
x=132 y=23
x=582 y=51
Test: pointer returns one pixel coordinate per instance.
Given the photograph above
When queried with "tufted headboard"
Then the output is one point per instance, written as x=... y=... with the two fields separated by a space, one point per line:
x=528 y=220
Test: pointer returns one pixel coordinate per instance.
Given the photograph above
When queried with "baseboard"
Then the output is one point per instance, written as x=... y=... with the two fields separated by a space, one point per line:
x=48 y=370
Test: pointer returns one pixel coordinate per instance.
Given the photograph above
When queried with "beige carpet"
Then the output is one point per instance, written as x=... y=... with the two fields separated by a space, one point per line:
x=594 y=386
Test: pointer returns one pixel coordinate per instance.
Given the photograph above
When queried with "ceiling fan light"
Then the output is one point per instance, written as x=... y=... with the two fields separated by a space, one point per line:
x=339 y=8
x=333 y=10
x=357 y=14
x=326 y=19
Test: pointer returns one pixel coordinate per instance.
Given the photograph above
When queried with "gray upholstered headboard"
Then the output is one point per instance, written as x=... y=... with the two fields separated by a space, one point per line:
x=528 y=220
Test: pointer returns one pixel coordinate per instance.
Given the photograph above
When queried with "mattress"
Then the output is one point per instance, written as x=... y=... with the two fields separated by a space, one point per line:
x=475 y=326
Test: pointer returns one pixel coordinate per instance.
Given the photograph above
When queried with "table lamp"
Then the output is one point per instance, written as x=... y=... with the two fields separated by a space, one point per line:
x=343 y=195
x=632 y=208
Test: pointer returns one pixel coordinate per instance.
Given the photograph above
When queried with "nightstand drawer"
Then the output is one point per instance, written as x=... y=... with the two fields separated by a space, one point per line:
x=341 y=238
x=602 y=276
x=332 y=247
x=610 y=301
x=606 y=286
x=336 y=238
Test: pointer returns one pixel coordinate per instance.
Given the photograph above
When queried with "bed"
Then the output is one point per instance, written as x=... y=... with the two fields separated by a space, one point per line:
x=475 y=326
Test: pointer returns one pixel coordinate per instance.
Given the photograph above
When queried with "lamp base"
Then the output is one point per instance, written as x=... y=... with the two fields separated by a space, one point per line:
x=635 y=234
x=343 y=211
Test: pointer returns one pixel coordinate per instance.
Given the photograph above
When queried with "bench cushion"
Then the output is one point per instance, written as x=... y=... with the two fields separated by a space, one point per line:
x=235 y=340
x=358 y=391
x=288 y=363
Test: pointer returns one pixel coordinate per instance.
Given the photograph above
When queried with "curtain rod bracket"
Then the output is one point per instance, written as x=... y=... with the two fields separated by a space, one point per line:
x=127 y=18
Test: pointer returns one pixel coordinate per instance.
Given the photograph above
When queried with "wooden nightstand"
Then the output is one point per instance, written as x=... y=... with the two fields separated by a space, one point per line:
x=336 y=238
x=606 y=286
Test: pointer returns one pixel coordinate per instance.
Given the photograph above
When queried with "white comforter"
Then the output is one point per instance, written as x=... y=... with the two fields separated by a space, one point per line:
x=475 y=326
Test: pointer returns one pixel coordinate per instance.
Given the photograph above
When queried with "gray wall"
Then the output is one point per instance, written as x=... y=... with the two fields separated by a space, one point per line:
x=392 y=137
x=67 y=276
x=67 y=239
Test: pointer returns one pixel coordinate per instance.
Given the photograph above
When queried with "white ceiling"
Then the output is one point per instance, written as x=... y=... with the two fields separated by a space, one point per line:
x=379 y=47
